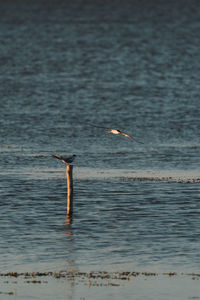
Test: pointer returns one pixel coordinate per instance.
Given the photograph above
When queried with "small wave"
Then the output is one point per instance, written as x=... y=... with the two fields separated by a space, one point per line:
x=39 y=155
x=138 y=175
x=80 y=174
x=187 y=146
x=10 y=148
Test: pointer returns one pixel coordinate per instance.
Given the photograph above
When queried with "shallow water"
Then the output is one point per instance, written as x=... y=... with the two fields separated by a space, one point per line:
x=134 y=68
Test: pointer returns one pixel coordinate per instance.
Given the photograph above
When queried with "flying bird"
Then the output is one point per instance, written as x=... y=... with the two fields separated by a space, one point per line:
x=116 y=131
x=65 y=159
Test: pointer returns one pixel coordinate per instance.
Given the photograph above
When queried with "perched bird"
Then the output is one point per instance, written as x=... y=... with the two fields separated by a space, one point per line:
x=65 y=159
x=116 y=131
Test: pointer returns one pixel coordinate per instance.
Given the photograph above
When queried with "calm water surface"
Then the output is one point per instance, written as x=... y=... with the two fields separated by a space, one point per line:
x=134 y=67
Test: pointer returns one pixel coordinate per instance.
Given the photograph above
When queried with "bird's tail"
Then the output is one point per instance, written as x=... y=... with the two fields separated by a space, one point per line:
x=57 y=156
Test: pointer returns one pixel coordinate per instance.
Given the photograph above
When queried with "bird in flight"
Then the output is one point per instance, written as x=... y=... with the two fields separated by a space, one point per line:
x=116 y=131
x=65 y=159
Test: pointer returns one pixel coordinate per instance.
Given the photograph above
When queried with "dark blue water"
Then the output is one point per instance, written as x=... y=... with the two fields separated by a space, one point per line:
x=133 y=66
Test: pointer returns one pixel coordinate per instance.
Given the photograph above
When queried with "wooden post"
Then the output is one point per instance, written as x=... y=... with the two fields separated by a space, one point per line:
x=69 y=176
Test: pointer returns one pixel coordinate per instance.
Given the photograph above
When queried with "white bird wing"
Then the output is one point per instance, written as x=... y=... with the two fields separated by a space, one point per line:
x=130 y=137
x=119 y=132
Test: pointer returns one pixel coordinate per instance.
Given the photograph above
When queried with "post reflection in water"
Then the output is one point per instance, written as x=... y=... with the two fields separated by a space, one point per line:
x=68 y=219
x=70 y=256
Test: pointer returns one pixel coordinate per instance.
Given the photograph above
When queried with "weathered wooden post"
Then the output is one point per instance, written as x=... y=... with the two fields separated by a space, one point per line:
x=69 y=176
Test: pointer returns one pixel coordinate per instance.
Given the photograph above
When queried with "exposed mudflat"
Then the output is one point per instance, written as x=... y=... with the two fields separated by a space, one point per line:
x=45 y=285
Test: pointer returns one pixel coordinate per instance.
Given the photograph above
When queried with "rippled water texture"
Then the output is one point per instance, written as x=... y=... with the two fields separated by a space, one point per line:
x=133 y=66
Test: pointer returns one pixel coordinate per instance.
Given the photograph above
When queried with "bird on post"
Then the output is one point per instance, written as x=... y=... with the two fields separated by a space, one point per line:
x=65 y=159
x=116 y=131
